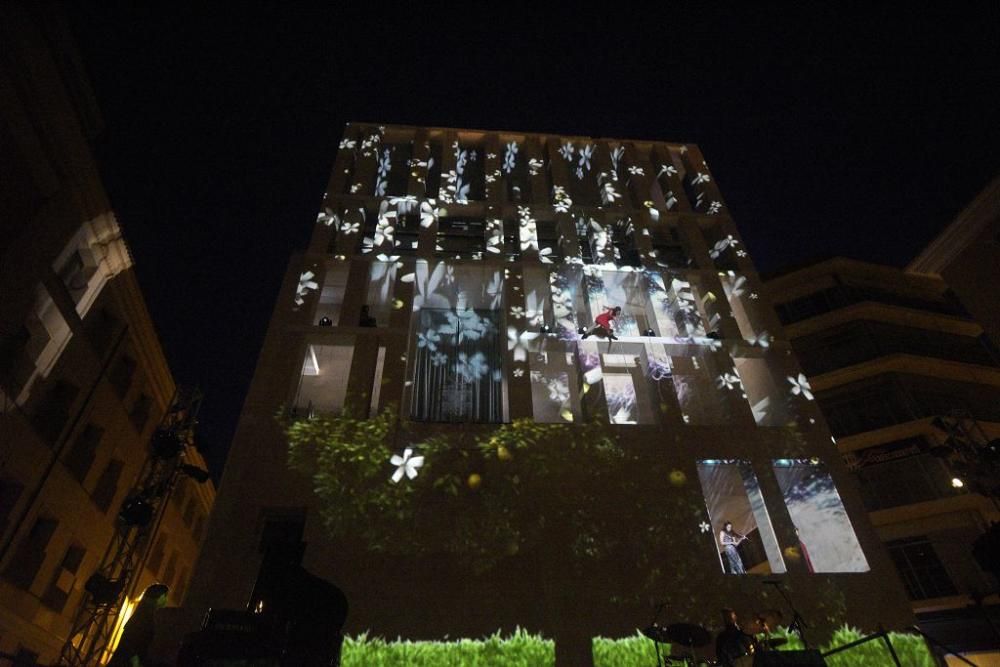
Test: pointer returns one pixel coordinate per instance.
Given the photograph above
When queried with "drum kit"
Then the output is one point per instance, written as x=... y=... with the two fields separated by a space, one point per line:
x=694 y=637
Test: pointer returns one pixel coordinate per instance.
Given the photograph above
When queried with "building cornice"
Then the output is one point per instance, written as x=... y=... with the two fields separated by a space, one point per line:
x=879 y=312
x=958 y=235
x=908 y=363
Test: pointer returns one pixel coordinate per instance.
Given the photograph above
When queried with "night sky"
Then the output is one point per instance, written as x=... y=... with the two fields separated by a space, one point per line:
x=858 y=134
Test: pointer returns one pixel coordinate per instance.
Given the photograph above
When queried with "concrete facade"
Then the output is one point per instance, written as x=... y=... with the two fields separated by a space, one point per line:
x=535 y=234
x=83 y=380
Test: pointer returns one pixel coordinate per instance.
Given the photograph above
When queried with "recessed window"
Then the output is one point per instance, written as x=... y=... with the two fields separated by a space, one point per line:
x=922 y=572
x=83 y=452
x=107 y=485
x=323 y=383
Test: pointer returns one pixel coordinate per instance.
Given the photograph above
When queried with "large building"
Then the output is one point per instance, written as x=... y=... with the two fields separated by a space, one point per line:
x=451 y=274
x=83 y=380
x=898 y=368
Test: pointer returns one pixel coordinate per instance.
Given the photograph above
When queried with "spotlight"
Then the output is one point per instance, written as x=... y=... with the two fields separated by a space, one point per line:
x=104 y=591
x=166 y=444
x=325 y=322
x=581 y=330
x=545 y=329
x=957 y=483
x=649 y=333
x=136 y=512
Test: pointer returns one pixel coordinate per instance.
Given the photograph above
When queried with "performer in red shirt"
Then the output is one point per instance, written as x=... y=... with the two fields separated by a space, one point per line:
x=604 y=321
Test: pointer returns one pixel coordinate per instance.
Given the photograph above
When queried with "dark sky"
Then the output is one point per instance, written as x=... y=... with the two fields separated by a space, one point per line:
x=830 y=133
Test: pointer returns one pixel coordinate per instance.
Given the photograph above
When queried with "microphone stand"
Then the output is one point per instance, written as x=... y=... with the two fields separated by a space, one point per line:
x=656 y=644
x=798 y=624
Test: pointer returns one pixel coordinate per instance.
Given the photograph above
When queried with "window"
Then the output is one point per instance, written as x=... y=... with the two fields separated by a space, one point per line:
x=83 y=451
x=738 y=519
x=331 y=297
x=76 y=272
x=107 y=486
x=10 y=493
x=668 y=250
x=52 y=411
x=24 y=565
x=155 y=559
x=826 y=536
x=139 y=414
x=460 y=238
x=61 y=586
x=899 y=473
x=171 y=569
x=457 y=366
x=323 y=383
x=922 y=572
x=121 y=375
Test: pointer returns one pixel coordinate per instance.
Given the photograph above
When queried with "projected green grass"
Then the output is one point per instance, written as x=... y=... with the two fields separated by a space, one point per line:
x=522 y=649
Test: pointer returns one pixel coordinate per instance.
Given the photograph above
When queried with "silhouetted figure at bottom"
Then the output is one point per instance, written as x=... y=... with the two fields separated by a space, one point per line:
x=137 y=637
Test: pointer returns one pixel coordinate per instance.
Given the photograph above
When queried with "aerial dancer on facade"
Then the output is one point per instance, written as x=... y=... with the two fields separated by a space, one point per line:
x=605 y=326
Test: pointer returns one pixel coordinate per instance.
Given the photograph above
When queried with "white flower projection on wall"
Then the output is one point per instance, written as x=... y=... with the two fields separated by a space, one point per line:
x=307 y=283
x=800 y=386
x=407 y=464
x=328 y=217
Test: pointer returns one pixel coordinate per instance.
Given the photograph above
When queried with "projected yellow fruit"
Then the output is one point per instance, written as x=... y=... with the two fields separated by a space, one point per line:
x=474 y=481
x=677 y=477
x=504 y=454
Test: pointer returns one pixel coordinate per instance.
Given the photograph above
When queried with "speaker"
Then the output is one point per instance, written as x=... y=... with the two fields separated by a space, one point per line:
x=788 y=659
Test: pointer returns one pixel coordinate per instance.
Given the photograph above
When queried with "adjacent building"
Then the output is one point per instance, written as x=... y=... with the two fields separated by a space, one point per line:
x=898 y=366
x=451 y=274
x=83 y=380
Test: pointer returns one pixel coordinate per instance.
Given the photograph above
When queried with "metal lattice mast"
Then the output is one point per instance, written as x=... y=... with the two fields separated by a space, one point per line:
x=106 y=590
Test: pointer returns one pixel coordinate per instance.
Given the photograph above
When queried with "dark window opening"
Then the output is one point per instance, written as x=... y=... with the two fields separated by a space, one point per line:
x=30 y=554
x=434 y=171
x=668 y=249
x=107 y=486
x=61 y=586
x=139 y=414
x=920 y=568
x=407 y=234
x=53 y=410
x=10 y=493
x=460 y=238
x=121 y=375
x=83 y=452
x=548 y=241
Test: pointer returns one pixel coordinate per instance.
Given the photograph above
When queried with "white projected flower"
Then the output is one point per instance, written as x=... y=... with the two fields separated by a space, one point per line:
x=636 y=171
x=405 y=204
x=428 y=213
x=558 y=391
x=800 y=385
x=668 y=169
x=355 y=188
x=700 y=178
x=517 y=342
x=517 y=312
x=562 y=200
x=426 y=286
x=385 y=228
x=586 y=153
x=347 y=143
x=609 y=194
x=566 y=150
x=495 y=290
x=579 y=173
x=306 y=285
x=518 y=372
x=428 y=340
x=349 y=228
x=763 y=340
x=741 y=253
x=439 y=358
x=328 y=218
x=407 y=464
x=472 y=368
x=534 y=165
x=704 y=527
x=714 y=207
x=729 y=381
x=491 y=156
x=490 y=178
x=736 y=285
x=721 y=245
x=616 y=156
x=494 y=236
x=510 y=157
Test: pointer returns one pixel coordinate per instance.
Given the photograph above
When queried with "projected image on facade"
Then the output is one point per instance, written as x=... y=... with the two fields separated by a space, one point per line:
x=826 y=536
x=464 y=429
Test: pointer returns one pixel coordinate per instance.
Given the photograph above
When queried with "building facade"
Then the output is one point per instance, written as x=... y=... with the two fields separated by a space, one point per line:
x=451 y=274
x=83 y=380
x=898 y=366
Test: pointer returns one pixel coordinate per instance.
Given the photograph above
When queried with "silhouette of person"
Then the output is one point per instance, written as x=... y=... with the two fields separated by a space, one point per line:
x=137 y=637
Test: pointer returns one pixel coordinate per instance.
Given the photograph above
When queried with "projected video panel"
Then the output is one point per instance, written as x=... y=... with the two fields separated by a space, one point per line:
x=826 y=537
x=738 y=519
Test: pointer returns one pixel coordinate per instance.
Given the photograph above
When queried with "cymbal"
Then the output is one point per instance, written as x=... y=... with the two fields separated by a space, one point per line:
x=688 y=634
x=657 y=633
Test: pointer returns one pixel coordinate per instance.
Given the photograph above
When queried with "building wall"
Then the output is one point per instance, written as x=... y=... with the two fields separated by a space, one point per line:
x=399 y=233
x=967 y=256
x=83 y=380
x=887 y=351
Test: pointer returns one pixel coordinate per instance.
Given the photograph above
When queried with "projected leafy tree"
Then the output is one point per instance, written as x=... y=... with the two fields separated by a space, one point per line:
x=567 y=496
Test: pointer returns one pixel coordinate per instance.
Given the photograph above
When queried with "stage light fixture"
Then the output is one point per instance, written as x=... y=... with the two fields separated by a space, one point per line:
x=136 y=511
x=581 y=330
x=545 y=329
x=104 y=591
x=166 y=444
x=325 y=322
x=649 y=333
